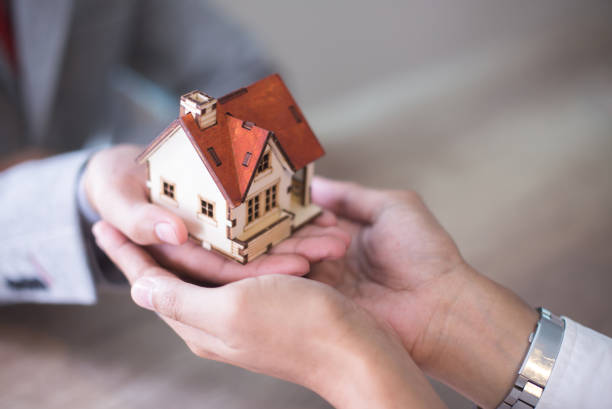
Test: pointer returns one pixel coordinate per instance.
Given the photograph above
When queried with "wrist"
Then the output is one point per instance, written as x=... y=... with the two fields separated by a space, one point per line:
x=484 y=335
x=86 y=183
x=86 y=208
x=374 y=370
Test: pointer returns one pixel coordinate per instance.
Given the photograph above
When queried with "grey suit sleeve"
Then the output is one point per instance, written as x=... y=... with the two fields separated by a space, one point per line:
x=42 y=251
x=189 y=44
x=175 y=47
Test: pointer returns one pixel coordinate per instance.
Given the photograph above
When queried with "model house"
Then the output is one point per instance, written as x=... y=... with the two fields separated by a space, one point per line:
x=236 y=169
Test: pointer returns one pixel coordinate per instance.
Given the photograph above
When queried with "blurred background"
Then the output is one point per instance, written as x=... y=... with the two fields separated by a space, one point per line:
x=498 y=113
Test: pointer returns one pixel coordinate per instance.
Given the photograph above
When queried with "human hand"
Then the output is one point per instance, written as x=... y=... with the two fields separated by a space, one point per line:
x=400 y=260
x=293 y=328
x=116 y=188
x=405 y=269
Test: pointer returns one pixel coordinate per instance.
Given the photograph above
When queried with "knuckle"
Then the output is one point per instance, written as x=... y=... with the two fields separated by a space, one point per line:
x=144 y=211
x=134 y=230
x=136 y=234
x=120 y=250
x=146 y=271
x=168 y=304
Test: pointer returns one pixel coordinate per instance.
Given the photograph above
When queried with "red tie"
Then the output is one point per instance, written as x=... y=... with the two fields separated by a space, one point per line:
x=7 y=43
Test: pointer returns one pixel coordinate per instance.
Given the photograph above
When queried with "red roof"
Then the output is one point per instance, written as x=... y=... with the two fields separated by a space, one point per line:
x=229 y=142
x=246 y=119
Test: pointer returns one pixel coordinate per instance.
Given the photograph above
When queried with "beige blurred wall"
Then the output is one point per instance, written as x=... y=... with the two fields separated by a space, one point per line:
x=329 y=48
x=499 y=113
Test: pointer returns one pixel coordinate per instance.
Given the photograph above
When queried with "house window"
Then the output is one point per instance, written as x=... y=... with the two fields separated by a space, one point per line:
x=271 y=198
x=214 y=156
x=168 y=190
x=207 y=208
x=247 y=159
x=264 y=163
x=253 y=209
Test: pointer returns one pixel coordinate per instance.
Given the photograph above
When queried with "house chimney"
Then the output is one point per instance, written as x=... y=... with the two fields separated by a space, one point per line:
x=202 y=107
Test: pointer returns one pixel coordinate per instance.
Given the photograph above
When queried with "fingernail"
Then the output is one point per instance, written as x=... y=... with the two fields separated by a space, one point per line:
x=142 y=293
x=165 y=232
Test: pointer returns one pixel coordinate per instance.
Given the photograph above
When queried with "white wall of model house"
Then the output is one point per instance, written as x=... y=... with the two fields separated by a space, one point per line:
x=176 y=162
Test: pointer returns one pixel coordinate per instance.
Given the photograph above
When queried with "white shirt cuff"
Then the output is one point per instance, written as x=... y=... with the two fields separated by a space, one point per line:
x=582 y=375
x=42 y=253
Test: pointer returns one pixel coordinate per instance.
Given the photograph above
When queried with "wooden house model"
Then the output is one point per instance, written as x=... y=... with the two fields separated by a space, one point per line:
x=236 y=169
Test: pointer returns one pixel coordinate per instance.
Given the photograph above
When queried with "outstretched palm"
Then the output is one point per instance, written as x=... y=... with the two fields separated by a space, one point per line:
x=116 y=189
x=400 y=263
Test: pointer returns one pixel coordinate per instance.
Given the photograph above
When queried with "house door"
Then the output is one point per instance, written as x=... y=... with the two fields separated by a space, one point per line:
x=297 y=186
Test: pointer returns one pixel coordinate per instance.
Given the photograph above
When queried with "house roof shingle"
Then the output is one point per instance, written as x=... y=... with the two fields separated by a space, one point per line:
x=246 y=119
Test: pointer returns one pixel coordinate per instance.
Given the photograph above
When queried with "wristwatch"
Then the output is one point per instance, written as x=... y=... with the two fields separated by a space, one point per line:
x=545 y=343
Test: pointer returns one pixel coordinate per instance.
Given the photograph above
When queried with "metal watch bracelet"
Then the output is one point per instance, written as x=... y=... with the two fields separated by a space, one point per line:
x=544 y=347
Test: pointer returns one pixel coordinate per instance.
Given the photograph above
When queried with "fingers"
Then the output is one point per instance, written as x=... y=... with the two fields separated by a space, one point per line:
x=156 y=289
x=132 y=260
x=292 y=256
x=204 y=265
x=348 y=200
x=315 y=243
x=116 y=187
x=153 y=287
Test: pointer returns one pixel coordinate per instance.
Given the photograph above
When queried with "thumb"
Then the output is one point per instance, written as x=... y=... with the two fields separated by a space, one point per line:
x=125 y=205
x=186 y=303
x=347 y=199
x=145 y=223
x=142 y=222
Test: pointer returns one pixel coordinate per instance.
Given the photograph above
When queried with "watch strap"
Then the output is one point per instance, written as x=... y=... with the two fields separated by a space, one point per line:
x=539 y=362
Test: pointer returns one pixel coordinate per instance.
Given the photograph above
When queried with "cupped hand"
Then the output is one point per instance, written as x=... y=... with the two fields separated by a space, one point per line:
x=290 y=327
x=317 y=241
x=402 y=266
x=115 y=186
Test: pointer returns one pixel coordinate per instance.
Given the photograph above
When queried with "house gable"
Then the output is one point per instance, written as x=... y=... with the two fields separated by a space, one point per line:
x=277 y=179
x=231 y=150
x=279 y=168
x=158 y=141
x=188 y=191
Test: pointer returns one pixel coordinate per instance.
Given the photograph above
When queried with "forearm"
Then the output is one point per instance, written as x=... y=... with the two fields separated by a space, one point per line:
x=484 y=338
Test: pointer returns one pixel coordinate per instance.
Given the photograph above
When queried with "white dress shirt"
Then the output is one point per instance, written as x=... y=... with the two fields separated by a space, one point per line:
x=42 y=251
x=582 y=375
